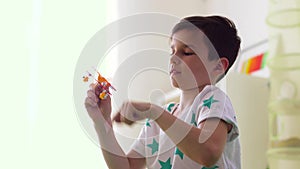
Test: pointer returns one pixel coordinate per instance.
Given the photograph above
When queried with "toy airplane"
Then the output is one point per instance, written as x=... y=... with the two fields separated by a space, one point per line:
x=103 y=84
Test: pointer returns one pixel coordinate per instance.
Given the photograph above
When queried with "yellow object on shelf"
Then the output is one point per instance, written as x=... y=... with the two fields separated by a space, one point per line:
x=285 y=127
x=284 y=102
x=285 y=18
x=285 y=73
x=284 y=158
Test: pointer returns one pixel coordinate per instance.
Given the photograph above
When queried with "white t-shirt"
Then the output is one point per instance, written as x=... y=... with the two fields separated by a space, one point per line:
x=161 y=153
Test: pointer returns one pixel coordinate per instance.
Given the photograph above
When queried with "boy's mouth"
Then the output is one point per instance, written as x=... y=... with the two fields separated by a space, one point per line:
x=174 y=72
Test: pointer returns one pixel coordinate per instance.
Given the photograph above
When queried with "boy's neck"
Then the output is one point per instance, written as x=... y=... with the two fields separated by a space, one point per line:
x=187 y=96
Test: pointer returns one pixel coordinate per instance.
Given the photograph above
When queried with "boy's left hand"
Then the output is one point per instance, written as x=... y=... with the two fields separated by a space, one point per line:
x=131 y=112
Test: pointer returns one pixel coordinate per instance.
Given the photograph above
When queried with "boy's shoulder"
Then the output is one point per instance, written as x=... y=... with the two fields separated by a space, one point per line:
x=209 y=93
x=211 y=89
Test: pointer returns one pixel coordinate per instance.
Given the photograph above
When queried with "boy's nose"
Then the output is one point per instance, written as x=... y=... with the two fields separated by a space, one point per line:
x=174 y=59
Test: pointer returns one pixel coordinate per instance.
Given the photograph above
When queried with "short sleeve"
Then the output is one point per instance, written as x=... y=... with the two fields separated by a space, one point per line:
x=147 y=139
x=147 y=142
x=139 y=143
x=214 y=103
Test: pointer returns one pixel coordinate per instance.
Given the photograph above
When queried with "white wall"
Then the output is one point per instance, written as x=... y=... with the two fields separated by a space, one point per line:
x=40 y=43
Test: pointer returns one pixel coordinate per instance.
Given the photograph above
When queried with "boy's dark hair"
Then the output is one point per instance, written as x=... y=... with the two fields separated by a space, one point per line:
x=220 y=31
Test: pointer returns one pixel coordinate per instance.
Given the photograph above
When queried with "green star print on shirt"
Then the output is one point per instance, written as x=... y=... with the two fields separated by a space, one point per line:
x=193 y=120
x=148 y=123
x=209 y=102
x=165 y=165
x=153 y=146
x=179 y=153
x=169 y=108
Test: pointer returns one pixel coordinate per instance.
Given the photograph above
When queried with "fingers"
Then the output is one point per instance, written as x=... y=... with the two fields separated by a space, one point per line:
x=98 y=89
x=91 y=94
x=121 y=115
x=92 y=99
x=90 y=102
x=127 y=114
x=128 y=122
x=117 y=118
x=92 y=86
x=121 y=119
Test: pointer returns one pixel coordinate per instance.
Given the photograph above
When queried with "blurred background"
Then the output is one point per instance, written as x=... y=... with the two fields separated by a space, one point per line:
x=41 y=42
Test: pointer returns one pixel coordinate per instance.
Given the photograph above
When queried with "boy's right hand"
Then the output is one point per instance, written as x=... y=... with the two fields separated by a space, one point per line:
x=97 y=108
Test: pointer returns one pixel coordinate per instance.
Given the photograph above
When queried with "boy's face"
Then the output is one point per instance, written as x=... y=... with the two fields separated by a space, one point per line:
x=190 y=67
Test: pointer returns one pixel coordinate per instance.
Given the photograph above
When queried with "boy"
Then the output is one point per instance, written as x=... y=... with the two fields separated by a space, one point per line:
x=198 y=132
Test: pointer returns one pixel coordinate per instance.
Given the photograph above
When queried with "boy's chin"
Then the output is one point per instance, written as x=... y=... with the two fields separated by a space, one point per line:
x=175 y=85
x=185 y=86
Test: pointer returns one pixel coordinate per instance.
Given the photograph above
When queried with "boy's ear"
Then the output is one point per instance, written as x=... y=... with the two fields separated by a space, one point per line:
x=222 y=65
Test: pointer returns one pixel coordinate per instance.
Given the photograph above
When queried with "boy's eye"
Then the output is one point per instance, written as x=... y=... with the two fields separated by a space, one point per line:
x=188 y=53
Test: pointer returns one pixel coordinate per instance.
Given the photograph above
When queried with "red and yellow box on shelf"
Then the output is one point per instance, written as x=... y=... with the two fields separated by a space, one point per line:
x=254 y=63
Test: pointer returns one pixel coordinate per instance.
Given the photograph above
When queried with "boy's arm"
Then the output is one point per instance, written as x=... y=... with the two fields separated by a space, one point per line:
x=202 y=144
x=112 y=152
